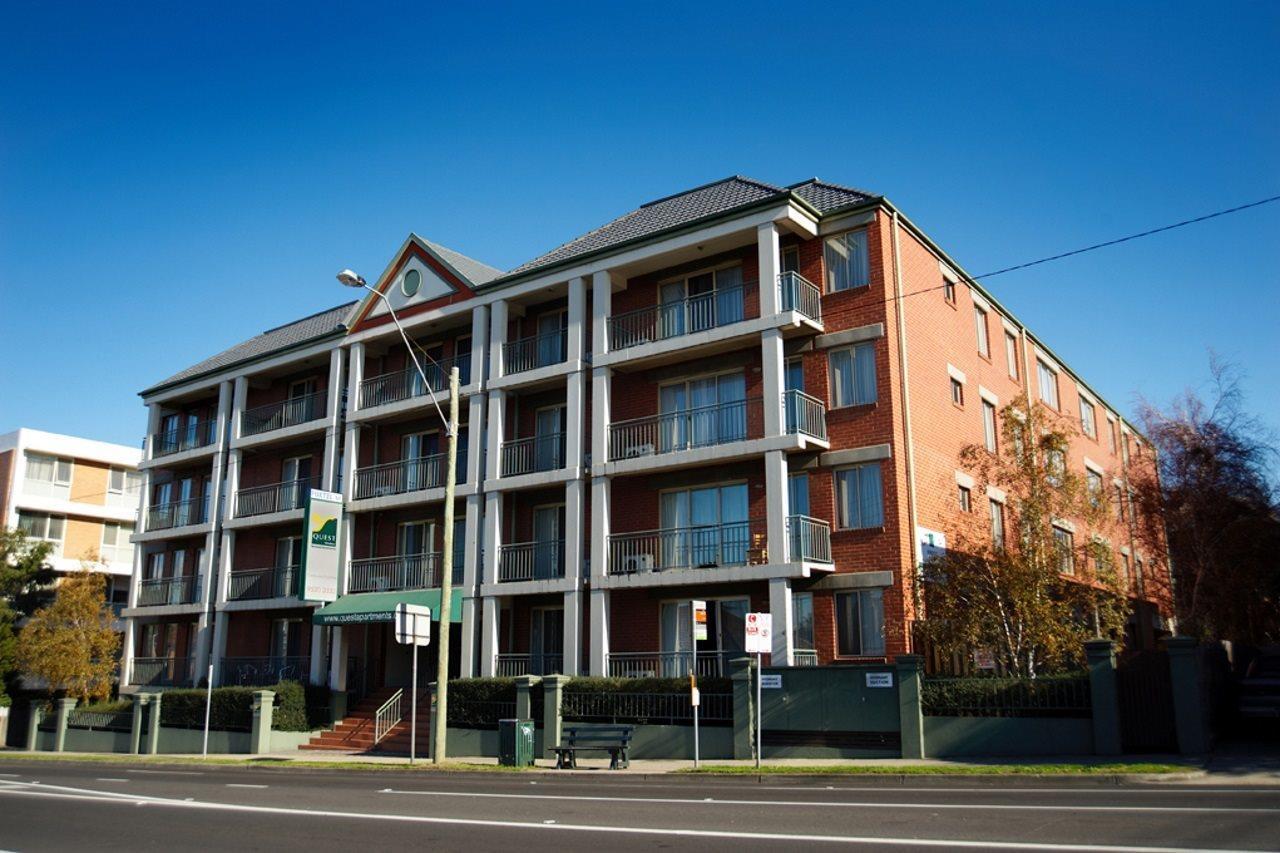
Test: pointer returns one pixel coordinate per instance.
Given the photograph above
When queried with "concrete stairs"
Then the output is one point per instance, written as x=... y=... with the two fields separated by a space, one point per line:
x=354 y=733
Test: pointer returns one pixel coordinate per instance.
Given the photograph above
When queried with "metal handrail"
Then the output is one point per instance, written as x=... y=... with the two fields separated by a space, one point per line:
x=176 y=514
x=508 y=665
x=706 y=546
x=684 y=429
x=407 y=475
x=406 y=571
x=678 y=317
x=804 y=414
x=286 y=413
x=181 y=589
x=270 y=582
x=159 y=671
x=535 y=351
x=189 y=437
x=797 y=293
x=808 y=539
x=388 y=716
x=525 y=561
x=402 y=384
x=669 y=664
x=804 y=657
x=264 y=671
x=276 y=497
x=536 y=453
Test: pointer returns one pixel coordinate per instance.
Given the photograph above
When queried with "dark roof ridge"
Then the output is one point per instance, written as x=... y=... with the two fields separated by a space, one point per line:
x=310 y=316
x=846 y=188
x=708 y=185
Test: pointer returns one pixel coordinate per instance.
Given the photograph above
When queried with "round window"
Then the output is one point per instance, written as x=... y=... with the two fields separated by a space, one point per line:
x=411 y=282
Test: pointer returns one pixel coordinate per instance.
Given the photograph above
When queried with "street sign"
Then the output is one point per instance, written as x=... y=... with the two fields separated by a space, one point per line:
x=759 y=633
x=699 y=620
x=413 y=624
x=320 y=546
x=879 y=679
x=771 y=681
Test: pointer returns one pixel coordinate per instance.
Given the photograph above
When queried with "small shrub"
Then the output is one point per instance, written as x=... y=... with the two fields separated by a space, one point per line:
x=229 y=709
x=646 y=685
x=5 y=701
x=111 y=707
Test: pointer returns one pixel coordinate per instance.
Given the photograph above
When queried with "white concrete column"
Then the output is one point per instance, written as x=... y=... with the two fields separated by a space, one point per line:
x=780 y=608
x=497 y=337
x=225 y=555
x=575 y=419
x=489 y=615
x=494 y=434
x=770 y=255
x=333 y=415
x=126 y=649
x=475 y=440
x=577 y=337
x=239 y=399
x=235 y=459
x=601 y=406
x=337 y=659
x=572 y=664
x=601 y=499
x=479 y=343
x=226 y=408
x=153 y=427
x=776 y=505
x=601 y=308
x=773 y=367
x=574 y=500
x=204 y=646
x=471 y=569
x=492 y=537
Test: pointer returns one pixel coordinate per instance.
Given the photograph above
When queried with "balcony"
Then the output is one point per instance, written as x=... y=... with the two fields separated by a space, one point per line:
x=286 y=413
x=707 y=546
x=797 y=293
x=804 y=657
x=277 y=497
x=512 y=665
x=264 y=671
x=189 y=437
x=536 y=351
x=407 y=475
x=154 y=592
x=406 y=571
x=809 y=539
x=670 y=664
x=678 y=317
x=177 y=514
x=161 y=672
x=256 y=584
x=804 y=415
x=531 y=561
x=405 y=384
x=530 y=455
x=687 y=429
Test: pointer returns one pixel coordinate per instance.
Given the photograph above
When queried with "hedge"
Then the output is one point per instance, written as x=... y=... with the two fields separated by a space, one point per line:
x=646 y=685
x=297 y=708
x=5 y=701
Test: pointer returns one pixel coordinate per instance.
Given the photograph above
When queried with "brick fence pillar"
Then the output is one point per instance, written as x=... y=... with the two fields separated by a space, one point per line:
x=1188 y=704
x=263 y=712
x=744 y=698
x=910 y=713
x=64 y=707
x=1101 y=655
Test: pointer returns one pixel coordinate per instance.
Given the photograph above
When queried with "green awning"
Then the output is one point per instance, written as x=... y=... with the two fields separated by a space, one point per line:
x=380 y=606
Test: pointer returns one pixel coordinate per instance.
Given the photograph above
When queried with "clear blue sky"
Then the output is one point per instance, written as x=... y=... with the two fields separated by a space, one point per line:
x=175 y=179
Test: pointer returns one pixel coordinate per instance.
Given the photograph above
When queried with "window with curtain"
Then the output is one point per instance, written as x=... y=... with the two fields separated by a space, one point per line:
x=1088 y=418
x=847 y=262
x=860 y=622
x=989 y=432
x=1094 y=482
x=997 y=523
x=980 y=326
x=705 y=527
x=859 y=493
x=1064 y=546
x=802 y=621
x=1048 y=381
x=703 y=412
x=39 y=525
x=853 y=375
x=1011 y=354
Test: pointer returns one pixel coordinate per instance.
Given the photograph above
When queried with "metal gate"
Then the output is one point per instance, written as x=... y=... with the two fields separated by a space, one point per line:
x=1146 y=703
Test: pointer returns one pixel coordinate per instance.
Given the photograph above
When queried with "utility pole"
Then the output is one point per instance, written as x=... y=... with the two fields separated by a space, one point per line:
x=446 y=579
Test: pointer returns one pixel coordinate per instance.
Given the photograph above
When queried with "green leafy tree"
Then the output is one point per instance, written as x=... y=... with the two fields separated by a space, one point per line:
x=71 y=645
x=1031 y=600
x=25 y=584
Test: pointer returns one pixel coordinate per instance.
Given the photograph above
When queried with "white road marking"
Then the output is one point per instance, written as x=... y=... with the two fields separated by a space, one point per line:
x=170 y=772
x=82 y=794
x=845 y=805
x=11 y=775
x=111 y=779
x=243 y=785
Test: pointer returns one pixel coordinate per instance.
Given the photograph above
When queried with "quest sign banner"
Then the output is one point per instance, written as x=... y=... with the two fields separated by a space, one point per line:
x=320 y=546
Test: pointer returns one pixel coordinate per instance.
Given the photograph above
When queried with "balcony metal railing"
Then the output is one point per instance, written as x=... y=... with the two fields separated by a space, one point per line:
x=184 y=589
x=277 y=497
x=804 y=415
x=527 y=561
x=809 y=539
x=535 y=351
x=273 y=582
x=264 y=671
x=408 y=475
x=403 y=384
x=511 y=665
x=160 y=672
x=537 y=453
x=797 y=293
x=669 y=664
x=177 y=514
x=286 y=413
x=804 y=657
x=407 y=571
x=189 y=437
x=705 y=426
x=678 y=317
x=707 y=546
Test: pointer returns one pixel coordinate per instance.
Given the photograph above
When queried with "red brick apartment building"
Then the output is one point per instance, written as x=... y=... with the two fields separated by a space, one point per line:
x=717 y=396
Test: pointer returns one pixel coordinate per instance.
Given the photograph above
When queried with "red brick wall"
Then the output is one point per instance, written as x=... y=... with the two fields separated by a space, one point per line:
x=266 y=467
x=249 y=631
x=277 y=390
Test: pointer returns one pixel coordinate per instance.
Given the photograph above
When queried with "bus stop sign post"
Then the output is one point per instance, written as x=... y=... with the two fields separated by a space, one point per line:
x=759 y=640
x=413 y=628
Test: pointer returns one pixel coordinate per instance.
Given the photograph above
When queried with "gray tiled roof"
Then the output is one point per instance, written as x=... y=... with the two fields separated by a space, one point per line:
x=661 y=215
x=471 y=269
x=827 y=197
x=282 y=337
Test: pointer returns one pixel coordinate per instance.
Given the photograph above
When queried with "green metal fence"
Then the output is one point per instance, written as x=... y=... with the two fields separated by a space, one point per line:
x=993 y=696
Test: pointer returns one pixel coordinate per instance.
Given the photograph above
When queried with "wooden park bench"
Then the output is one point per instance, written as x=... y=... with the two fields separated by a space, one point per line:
x=615 y=740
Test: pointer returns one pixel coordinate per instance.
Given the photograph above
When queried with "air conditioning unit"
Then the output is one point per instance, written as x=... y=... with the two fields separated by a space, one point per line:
x=635 y=451
x=637 y=563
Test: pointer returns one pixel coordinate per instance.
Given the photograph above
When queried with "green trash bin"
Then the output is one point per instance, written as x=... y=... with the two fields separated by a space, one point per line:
x=515 y=743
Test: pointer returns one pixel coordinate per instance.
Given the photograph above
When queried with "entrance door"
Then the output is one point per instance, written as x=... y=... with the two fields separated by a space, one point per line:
x=302 y=402
x=546 y=641
x=184 y=511
x=548 y=441
x=548 y=538
x=551 y=340
x=420 y=456
x=295 y=483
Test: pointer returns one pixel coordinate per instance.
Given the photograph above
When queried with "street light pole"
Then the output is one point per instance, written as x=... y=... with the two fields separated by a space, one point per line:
x=350 y=279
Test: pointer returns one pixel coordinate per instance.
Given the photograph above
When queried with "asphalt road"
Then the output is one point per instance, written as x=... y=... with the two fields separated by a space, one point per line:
x=107 y=806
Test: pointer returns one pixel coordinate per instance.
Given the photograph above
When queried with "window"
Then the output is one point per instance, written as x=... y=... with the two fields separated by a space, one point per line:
x=1048 y=383
x=1064 y=546
x=802 y=622
x=1011 y=353
x=1093 y=480
x=989 y=425
x=1111 y=426
x=957 y=392
x=966 y=498
x=411 y=282
x=1088 y=418
x=116 y=547
x=48 y=471
x=847 y=262
x=121 y=481
x=695 y=413
x=980 y=325
x=1128 y=568
x=704 y=527
x=997 y=522
x=791 y=259
x=39 y=525
x=860 y=622
x=949 y=291
x=1125 y=448
x=1055 y=465
x=859 y=496
x=853 y=375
